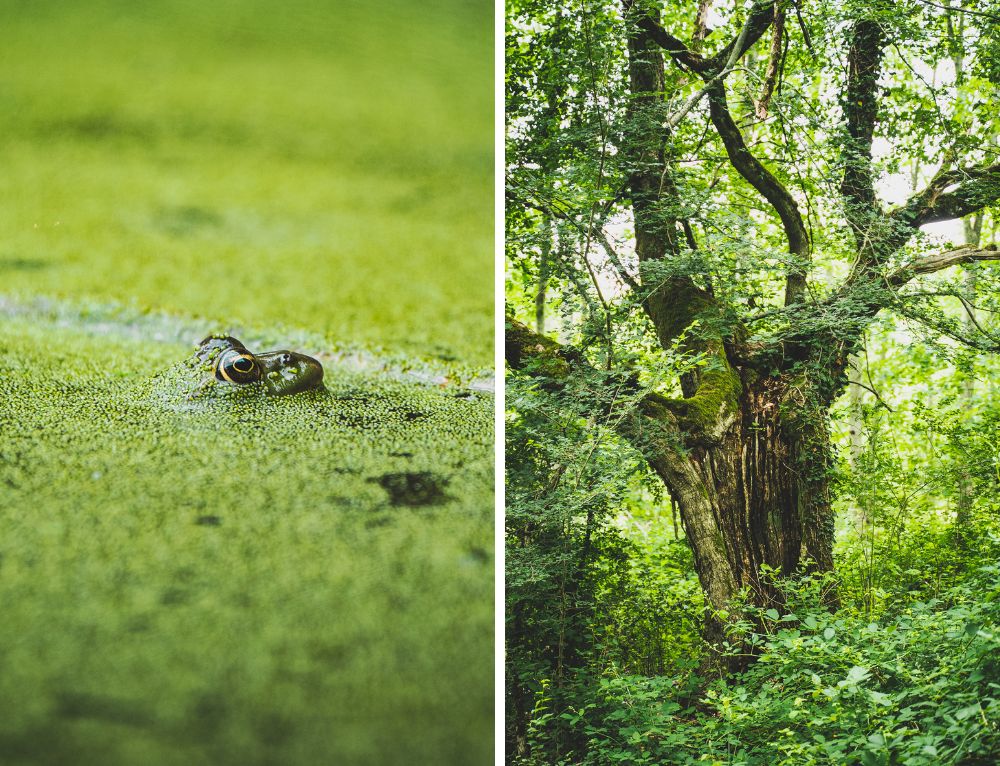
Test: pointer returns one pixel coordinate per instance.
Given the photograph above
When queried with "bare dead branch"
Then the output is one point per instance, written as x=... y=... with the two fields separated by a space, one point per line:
x=930 y=264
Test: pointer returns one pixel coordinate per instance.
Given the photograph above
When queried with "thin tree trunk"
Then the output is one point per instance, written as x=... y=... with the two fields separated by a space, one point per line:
x=544 y=267
x=972 y=229
x=855 y=424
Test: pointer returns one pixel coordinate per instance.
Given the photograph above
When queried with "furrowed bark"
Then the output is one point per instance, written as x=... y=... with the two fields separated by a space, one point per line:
x=752 y=492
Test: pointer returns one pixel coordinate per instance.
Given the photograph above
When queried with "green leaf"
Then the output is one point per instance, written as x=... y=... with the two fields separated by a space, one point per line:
x=771 y=614
x=669 y=708
x=879 y=698
x=967 y=711
x=829 y=633
x=856 y=675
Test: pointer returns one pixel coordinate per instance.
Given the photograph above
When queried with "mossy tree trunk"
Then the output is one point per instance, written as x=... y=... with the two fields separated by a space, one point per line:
x=744 y=458
x=750 y=477
x=757 y=494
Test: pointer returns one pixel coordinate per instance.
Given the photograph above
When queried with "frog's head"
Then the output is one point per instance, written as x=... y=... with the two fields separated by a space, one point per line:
x=280 y=372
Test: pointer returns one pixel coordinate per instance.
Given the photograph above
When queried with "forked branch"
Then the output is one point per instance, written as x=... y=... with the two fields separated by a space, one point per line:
x=760 y=18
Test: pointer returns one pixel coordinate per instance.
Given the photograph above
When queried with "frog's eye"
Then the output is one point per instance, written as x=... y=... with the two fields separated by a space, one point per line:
x=243 y=364
x=236 y=367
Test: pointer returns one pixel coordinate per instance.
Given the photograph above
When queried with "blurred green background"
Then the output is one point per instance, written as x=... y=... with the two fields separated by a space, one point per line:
x=193 y=583
x=323 y=164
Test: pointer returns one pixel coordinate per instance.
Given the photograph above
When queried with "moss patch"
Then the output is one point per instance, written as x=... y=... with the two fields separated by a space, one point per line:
x=238 y=579
x=716 y=399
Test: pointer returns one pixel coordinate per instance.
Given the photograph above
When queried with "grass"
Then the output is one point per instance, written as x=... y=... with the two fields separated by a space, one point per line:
x=233 y=579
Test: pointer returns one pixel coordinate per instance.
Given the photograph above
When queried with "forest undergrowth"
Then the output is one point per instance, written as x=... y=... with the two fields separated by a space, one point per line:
x=904 y=668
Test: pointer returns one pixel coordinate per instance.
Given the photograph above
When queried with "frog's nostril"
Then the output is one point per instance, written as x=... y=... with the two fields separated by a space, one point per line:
x=286 y=358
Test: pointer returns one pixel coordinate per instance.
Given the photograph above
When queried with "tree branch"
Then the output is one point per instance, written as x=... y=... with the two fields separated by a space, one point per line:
x=939 y=261
x=757 y=23
x=773 y=62
x=540 y=356
x=760 y=19
x=696 y=420
x=768 y=186
x=710 y=79
x=976 y=188
x=674 y=47
x=597 y=231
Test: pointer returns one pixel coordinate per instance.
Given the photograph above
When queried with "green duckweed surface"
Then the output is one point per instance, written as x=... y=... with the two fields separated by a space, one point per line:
x=229 y=579
x=323 y=164
x=232 y=579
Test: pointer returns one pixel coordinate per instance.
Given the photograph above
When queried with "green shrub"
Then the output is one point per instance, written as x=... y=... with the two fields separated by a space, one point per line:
x=919 y=688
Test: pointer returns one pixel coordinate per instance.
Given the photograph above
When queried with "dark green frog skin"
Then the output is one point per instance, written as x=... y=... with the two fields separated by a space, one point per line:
x=280 y=372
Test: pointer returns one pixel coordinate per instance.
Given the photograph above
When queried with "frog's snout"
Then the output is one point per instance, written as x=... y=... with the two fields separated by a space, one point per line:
x=288 y=372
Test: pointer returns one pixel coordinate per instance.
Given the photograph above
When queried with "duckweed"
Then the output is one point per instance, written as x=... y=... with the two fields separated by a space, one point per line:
x=324 y=164
x=198 y=574
x=232 y=578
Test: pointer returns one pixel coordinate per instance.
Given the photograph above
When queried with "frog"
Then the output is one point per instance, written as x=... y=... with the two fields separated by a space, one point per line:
x=280 y=373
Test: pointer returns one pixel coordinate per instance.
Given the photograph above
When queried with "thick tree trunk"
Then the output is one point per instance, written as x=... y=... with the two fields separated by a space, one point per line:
x=743 y=456
x=757 y=494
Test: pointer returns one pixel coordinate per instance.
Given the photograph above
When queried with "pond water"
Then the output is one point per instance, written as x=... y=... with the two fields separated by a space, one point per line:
x=234 y=579
x=233 y=575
